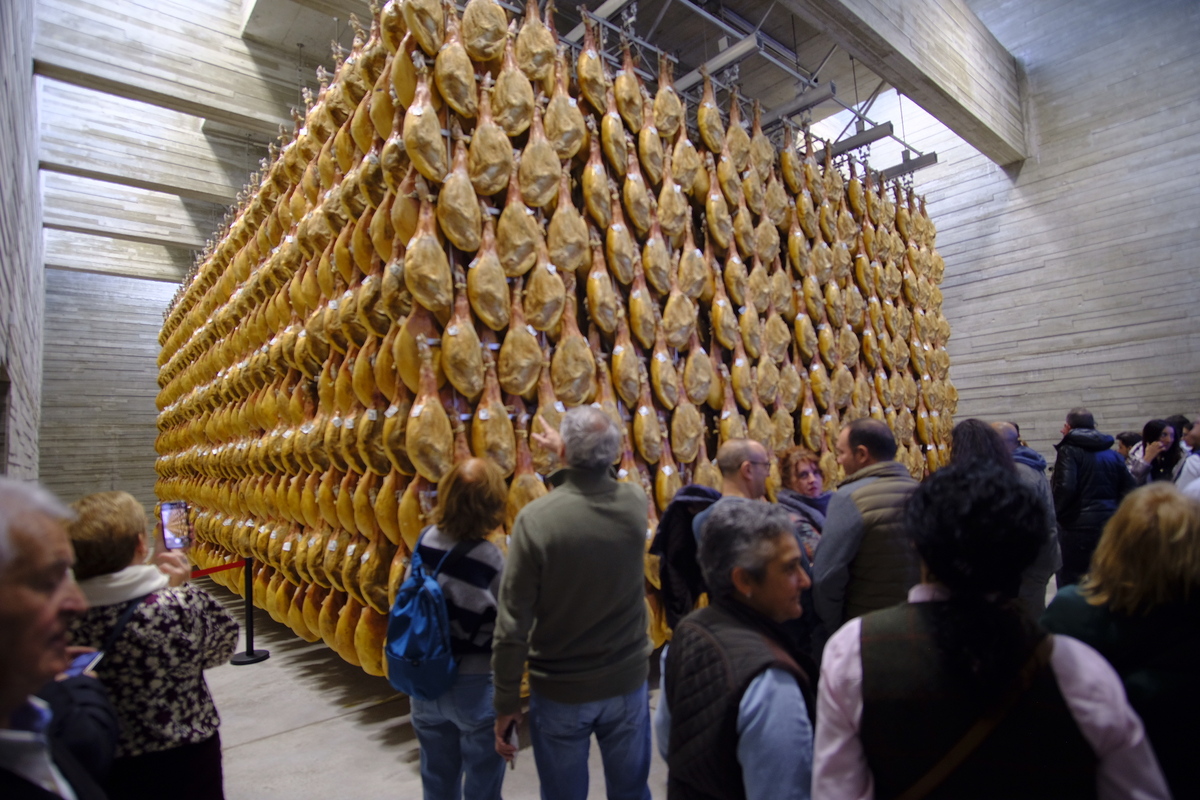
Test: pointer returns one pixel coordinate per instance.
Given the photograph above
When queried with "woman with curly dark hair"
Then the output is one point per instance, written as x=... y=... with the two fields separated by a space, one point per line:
x=958 y=693
x=975 y=440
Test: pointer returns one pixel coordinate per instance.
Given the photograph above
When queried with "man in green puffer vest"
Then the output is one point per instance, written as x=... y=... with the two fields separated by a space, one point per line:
x=864 y=562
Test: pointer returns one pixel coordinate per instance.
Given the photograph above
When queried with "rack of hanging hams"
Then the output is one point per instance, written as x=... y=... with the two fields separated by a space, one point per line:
x=471 y=231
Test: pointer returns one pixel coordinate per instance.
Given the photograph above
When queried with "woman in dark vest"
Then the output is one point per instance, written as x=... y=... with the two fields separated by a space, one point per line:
x=734 y=719
x=1140 y=607
x=958 y=693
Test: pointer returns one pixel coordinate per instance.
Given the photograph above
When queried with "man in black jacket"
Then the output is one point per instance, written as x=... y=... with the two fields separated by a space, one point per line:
x=1088 y=483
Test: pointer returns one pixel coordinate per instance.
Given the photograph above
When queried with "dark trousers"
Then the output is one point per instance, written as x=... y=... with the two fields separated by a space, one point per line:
x=187 y=772
x=1077 y=548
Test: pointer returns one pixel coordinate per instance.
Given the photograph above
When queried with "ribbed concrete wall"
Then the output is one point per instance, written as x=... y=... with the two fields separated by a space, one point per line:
x=20 y=242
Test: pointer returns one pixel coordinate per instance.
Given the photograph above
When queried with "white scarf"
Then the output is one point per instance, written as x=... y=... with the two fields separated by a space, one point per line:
x=124 y=585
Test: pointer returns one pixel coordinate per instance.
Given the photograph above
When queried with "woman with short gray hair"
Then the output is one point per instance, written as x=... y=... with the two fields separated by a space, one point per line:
x=735 y=717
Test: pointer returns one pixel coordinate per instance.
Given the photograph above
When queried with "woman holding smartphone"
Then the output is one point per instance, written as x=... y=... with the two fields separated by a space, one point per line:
x=158 y=634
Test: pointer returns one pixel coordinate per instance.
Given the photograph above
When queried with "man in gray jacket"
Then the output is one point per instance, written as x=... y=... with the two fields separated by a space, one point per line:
x=572 y=604
x=865 y=562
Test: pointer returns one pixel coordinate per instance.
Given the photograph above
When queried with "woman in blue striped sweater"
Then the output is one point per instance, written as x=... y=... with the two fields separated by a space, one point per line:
x=458 y=754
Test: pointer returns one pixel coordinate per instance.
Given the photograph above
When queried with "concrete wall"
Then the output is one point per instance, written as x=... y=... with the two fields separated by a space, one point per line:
x=20 y=242
x=1074 y=279
x=100 y=368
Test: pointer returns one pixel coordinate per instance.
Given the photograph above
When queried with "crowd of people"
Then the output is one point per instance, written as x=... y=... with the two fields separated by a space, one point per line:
x=882 y=638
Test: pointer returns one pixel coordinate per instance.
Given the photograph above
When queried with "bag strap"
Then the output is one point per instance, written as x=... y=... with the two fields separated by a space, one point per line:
x=983 y=727
x=122 y=621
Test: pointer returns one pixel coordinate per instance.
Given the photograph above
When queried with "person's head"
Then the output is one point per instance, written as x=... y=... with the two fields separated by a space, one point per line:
x=1180 y=425
x=1149 y=553
x=1192 y=435
x=108 y=533
x=1126 y=440
x=38 y=594
x=800 y=471
x=864 y=442
x=744 y=466
x=748 y=552
x=1158 y=430
x=1078 y=417
x=976 y=526
x=975 y=440
x=590 y=438
x=470 y=502
x=1009 y=434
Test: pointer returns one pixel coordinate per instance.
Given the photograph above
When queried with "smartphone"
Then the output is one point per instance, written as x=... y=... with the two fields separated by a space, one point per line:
x=510 y=736
x=84 y=663
x=176 y=531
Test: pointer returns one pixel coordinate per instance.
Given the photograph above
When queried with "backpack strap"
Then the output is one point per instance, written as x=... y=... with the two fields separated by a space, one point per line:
x=122 y=621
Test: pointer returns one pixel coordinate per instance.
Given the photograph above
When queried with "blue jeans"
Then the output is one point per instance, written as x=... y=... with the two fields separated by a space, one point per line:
x=562 y=732
x=458 y=743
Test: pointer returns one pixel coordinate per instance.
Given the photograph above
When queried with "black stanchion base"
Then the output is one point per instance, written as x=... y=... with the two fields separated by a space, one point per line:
x=250 y=657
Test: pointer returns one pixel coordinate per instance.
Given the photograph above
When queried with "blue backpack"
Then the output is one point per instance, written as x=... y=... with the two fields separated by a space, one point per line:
x=418 y=655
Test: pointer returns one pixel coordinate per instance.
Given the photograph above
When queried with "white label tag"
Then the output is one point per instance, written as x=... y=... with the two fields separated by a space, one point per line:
x=337 y=422
x=392 y=411
x=349 y=423
x=643 y=411
x=365 y=558
x=372 y=414
x=416 y=410
x=483 y=414
x=332 y=545
x=559 y=407
x=287 y=547
x=333 y=304
x=350 y=550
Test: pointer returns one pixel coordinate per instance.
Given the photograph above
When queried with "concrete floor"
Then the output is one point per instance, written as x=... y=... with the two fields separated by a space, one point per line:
x=305 y=724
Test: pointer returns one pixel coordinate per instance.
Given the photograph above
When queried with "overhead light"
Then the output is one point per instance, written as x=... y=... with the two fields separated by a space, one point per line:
x=907 y=165
x=727 y=57
x=857 y=140
x=802 y=102
x=606 y=10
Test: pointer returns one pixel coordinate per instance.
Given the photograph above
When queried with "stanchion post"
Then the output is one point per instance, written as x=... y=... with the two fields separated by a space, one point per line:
x=251 y=656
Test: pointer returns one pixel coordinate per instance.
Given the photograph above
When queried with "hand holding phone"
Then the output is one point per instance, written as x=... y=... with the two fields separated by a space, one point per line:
x=85 y=662
x=176 y=530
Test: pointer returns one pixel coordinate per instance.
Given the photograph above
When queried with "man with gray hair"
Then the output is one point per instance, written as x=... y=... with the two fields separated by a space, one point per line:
x=572 y=605
x=1031 y=469
x=38 y=601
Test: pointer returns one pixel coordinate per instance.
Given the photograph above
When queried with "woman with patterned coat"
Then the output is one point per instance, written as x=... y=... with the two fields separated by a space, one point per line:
x=154 y=669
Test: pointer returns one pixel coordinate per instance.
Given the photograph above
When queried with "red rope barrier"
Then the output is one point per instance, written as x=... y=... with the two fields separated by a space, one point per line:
x=241 y=562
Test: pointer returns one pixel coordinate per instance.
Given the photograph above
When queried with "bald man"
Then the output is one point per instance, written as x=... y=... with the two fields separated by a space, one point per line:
x=1031 y=468
x=865 y=561
x=744 y=466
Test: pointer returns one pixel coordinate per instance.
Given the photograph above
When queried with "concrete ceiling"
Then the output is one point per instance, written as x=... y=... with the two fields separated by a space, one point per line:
x=802 y=43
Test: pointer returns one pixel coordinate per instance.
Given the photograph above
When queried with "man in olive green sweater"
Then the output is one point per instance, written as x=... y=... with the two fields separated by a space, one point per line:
x=864 y=562
x=572 y=604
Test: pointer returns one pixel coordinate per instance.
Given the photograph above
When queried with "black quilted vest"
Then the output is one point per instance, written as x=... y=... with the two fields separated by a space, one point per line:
x=715 y=654
x=913 y=715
